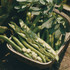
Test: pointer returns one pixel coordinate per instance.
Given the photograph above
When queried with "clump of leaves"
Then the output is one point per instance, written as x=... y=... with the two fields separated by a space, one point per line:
x=39 y=16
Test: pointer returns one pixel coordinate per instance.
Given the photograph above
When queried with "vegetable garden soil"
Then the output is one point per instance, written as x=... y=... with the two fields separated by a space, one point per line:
x=8 y=62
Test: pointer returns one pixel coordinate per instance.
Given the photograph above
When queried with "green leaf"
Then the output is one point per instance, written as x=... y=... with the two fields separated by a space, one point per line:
x=34 y=8
x=60 y=8
x=62 y=29
x=48 y=23
x=36 y=13
x=57 y=34
x=42 y=2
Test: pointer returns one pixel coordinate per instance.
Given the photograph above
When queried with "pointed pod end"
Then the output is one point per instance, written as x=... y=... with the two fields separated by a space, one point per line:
x=57 y=58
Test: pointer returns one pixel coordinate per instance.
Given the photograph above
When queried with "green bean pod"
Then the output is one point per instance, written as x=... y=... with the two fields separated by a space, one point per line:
x=11 y=43
x=18 y=42
x=26 y=29
x=27 y=55
x=21 y=45
x=28 y=46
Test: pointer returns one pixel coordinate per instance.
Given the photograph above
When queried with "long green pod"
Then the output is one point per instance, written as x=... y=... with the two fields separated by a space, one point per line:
x=18 y=42
x=43 y=51
x=47 y=46
x=52 y=56
x=42 y=42
x=28 y=46
x=47 y=59
x=21 y=45
x=47 y=54
x=25 y=27
x=11 y=43
x=32 y=44
x=14 y=45
x=27 y=55
x=40 y=49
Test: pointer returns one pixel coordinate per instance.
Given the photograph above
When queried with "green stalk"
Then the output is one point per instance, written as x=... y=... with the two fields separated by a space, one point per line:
x=43 y=35
x=38 y=28
x=57 y=44
x=62 y=39
x=52 y=41
x=47 y=40
x=28 y=21
x=35 y=21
